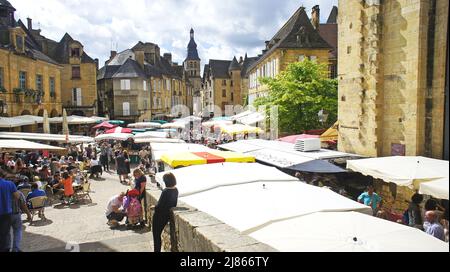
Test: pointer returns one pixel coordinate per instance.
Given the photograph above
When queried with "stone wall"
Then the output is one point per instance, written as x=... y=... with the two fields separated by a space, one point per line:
x=385 y=106
x=193 y=231
x=396 y=198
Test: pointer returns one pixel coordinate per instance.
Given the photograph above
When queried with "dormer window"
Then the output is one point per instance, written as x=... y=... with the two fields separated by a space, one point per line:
x=19 y=43
x=75 y=52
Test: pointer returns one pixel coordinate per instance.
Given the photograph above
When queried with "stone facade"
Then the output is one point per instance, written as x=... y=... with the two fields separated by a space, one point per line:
x=392 y=58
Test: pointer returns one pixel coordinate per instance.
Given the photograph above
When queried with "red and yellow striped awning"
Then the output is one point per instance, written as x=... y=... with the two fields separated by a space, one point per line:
x=184 y=159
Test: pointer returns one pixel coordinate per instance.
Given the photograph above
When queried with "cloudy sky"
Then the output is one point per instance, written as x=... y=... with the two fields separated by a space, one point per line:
x=223 y=29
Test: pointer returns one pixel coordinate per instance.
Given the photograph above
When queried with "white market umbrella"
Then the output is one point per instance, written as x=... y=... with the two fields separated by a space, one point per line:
x=180 y=125
x=403 y=171
x=436 y=188
x=151 y=134
x=346 y=232
x=46 y=124
x=26 y=145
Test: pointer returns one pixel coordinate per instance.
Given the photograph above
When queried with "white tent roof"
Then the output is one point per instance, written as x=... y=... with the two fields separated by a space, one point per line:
x=145 y=125
x=278 y=158
x=240 y=146
x=436 y=188
x=151 y=134
x=25 y=145
x=255 y=205
x=78 y=120
x=199 y=178
x=114 y=136
x=346 y=232
x=45 y=137
x=241 y=115
x=180 y=124
x=158 y=140
x=159 y=149
x=252 y=119
x=403 y=171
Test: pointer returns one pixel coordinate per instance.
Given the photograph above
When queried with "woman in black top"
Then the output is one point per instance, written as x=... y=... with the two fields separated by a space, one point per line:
x=167 y=201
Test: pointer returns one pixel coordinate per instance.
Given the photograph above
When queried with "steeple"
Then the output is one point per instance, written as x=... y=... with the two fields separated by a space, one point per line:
x=192 y=48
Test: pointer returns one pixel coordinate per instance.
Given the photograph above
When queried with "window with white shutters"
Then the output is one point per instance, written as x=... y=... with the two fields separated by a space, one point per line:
x=77 y=97
x=144 y=84
x=125 y=84
x=126 y=108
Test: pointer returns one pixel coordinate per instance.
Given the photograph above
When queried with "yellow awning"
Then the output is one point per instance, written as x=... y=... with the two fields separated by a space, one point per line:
x=240 y=129
x=234 y=156
x=182 y=159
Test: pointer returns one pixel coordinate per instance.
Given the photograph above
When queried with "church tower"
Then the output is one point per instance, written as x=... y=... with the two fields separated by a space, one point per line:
x=192 y=68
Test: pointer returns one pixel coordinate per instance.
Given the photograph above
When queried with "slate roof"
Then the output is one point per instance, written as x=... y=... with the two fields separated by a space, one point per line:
x=5 y=3
x=219 y=68
x=234 y=65
x=329 y=33
x=107 y=72
x=299 y=25
x=192 y=48
x=332 y=19
x=61 y=52
x=246 y=64
x=130 y=69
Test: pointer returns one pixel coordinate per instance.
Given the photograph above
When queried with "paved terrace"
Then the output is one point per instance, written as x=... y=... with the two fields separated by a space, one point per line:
x=85 y=225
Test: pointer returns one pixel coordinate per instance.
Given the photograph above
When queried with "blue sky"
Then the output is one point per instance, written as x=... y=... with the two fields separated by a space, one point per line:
x=223 y=29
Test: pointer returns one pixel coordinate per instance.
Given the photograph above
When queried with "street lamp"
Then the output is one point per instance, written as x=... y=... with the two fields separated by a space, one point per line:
x=323 y=116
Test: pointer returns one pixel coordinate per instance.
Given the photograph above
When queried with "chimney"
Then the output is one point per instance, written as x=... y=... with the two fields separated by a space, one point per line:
x=315 y=17
x=113 y=54
x=267 y=44
x=168 y=57
x=140 y=57
x=96 y=63
x=30 y=24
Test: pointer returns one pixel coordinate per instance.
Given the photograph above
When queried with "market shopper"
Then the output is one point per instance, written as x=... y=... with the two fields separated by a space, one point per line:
x=432 y=226
x=167 y=201
x=8 y=192
x=371 y=199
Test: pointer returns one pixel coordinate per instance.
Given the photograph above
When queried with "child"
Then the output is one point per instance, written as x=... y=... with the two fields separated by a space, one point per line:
x=133 y=208
x=66 y=181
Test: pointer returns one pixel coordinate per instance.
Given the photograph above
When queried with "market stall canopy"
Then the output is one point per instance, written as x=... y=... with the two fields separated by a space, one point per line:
x=293 y=138
x=403 y=171
x=116 y=122
x=77 y=120
x=240 y=129
x=151 y=134
x=26 y=145
x=436 y=188
x=241 y=115
x=158 y=140
x=278 y=158
x=258 y=144
x=317 y=166
x=180 y=125
x=114 y=136
x=252 y=119
x=217 y=123
x=145 y=125
x=345 y=232
x=104 y=125
x=45 y=137
x=184 y=159
x=252 y=206
x=200 y=178
x=119 y=130
x=160 y=149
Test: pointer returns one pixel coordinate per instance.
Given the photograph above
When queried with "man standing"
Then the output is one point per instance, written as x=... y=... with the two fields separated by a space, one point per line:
x=104 y=157
x=371 y=199
x=432 y=227
x=8 y=191
x=19 y=207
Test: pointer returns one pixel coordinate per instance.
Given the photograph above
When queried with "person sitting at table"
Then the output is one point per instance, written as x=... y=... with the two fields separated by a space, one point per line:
x=44 y=174
x=67 y=181
x=63 y=160
x=24 y=183
x=11 y=163
x=85 y=165
x=55 y=166
x=35 y=192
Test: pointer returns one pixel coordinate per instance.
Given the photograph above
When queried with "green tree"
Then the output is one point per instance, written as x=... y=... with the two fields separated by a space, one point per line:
x=300 y=92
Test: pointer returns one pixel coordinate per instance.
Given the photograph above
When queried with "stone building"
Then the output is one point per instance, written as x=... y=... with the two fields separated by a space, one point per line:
x=393 y=77
x=139 y=84
x=30 y=80
x=79 y=73
x=298 y=39
x=225 y=84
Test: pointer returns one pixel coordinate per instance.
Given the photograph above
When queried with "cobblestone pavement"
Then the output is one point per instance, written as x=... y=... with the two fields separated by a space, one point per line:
x=82 y=227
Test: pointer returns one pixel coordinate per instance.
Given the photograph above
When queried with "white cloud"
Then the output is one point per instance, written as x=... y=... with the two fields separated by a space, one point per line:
x=223 y=28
